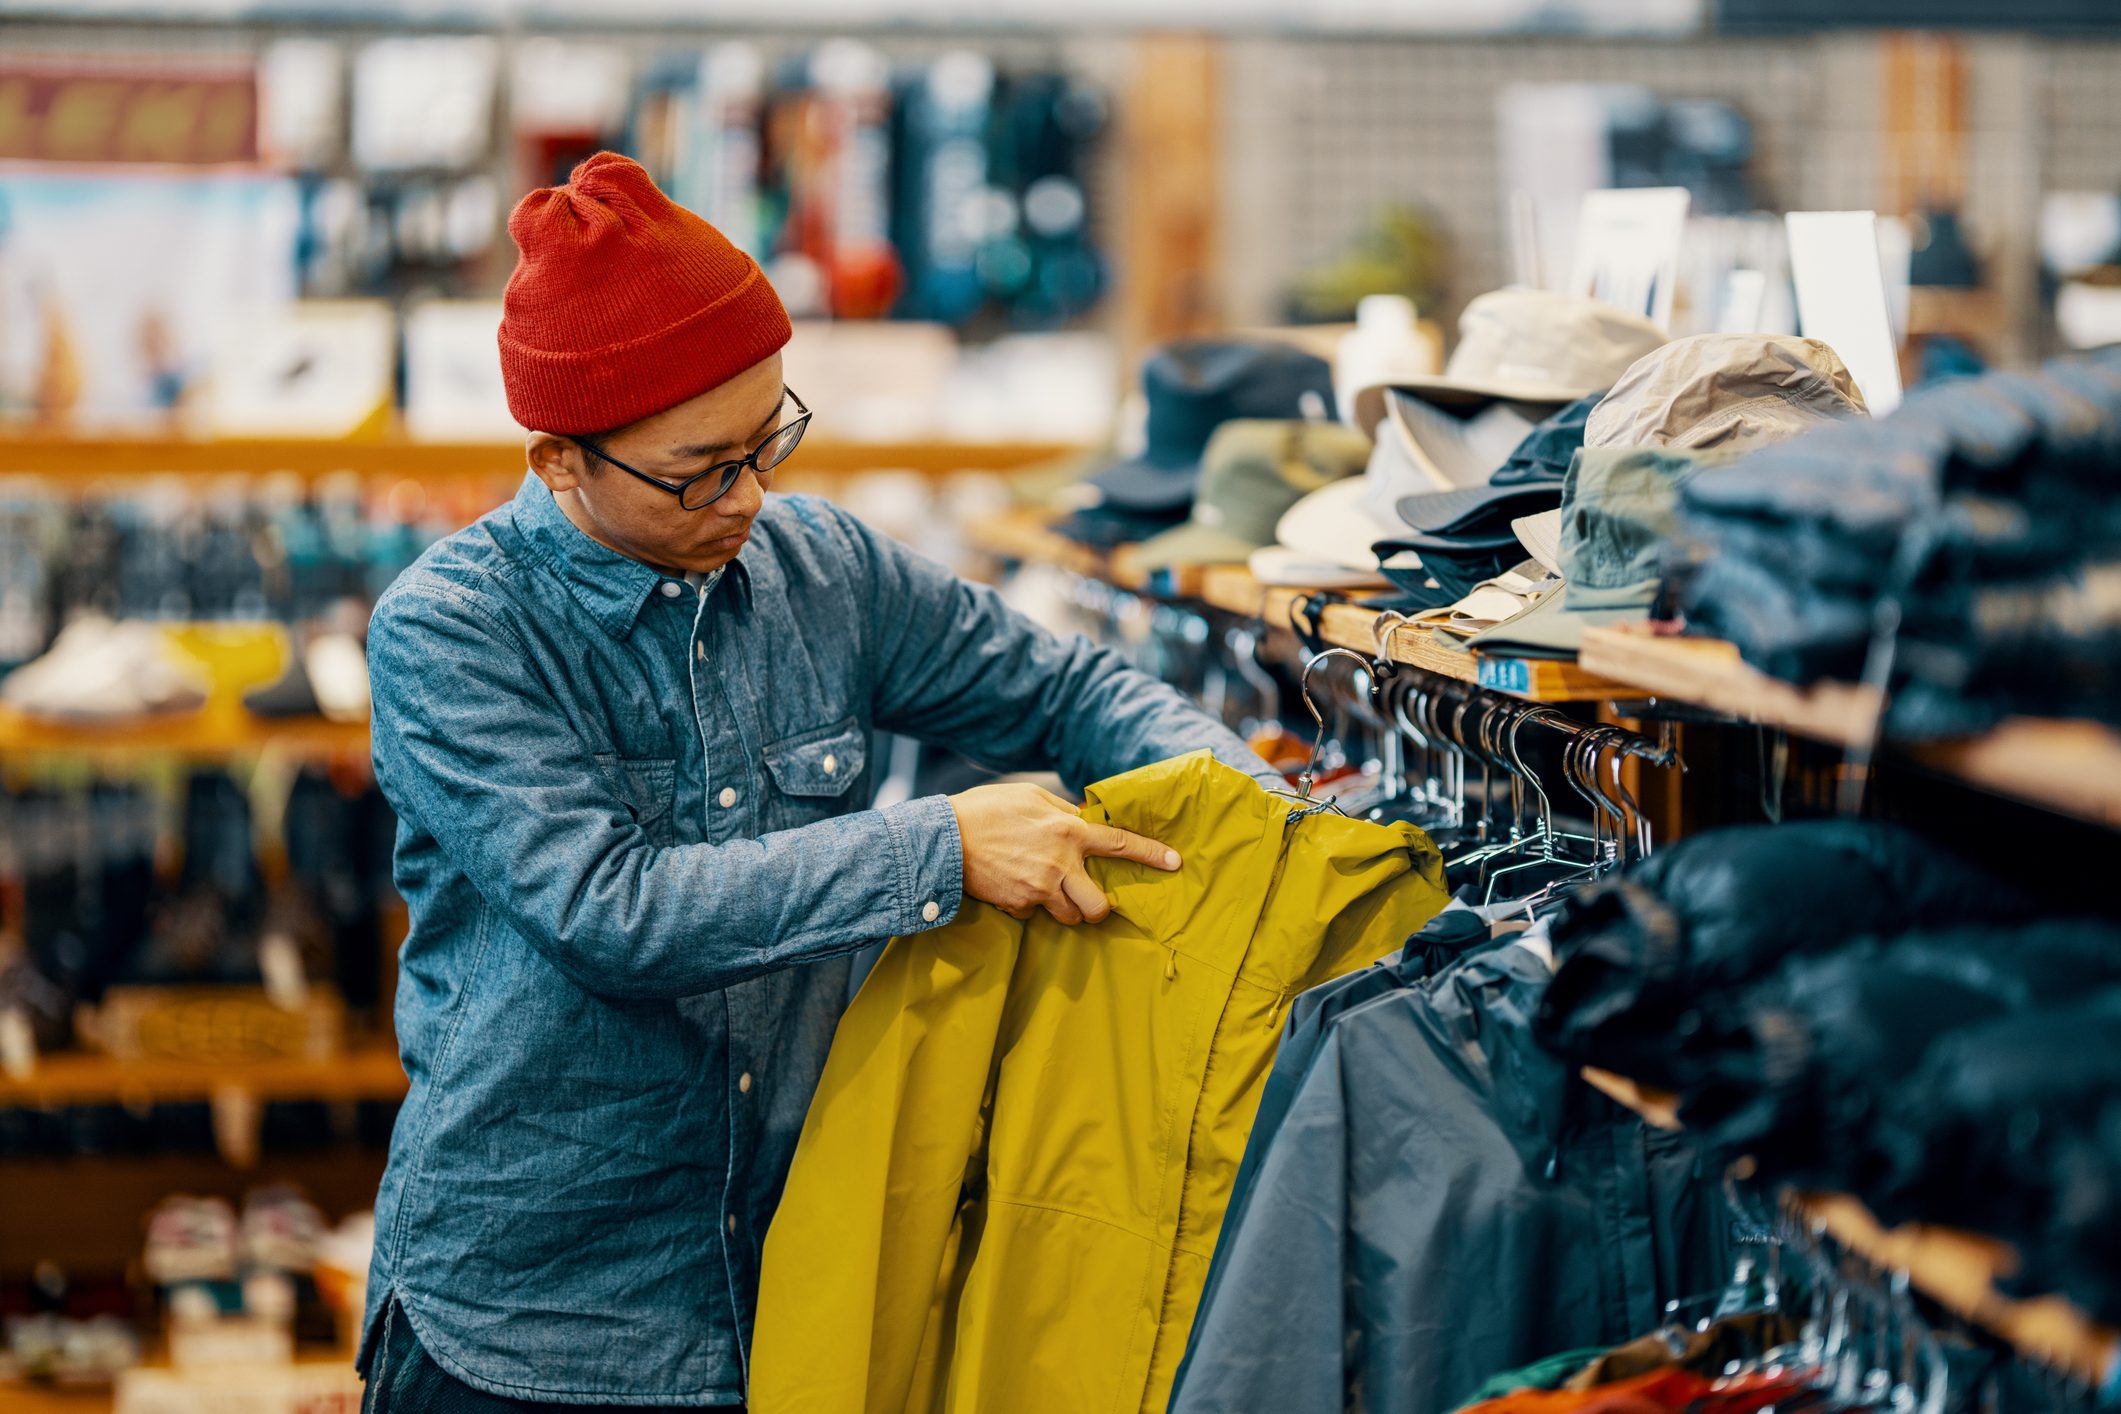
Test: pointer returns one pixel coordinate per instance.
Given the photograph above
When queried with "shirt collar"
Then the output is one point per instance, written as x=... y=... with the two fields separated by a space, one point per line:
x=611 y=586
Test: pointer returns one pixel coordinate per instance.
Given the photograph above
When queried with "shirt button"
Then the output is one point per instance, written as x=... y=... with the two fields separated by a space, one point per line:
x=931 y=911
x=727 y=797
x=699 y=651
x=830 y=763
x=743 y=1083
x=732 y=1222
x=670 y=589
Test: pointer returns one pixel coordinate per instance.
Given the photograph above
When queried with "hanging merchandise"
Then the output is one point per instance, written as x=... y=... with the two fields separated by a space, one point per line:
x=943 y=201
x=424 y=103
x=1017 y=1163
x=695 y=127
x=1922 y=1035
x=1427 y=1198
x=567 y=101
x=718 y=176
x=1039 y=260
x=835 y=252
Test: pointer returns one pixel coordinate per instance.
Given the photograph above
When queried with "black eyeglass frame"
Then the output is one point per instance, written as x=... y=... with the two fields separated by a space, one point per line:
x=727 y=471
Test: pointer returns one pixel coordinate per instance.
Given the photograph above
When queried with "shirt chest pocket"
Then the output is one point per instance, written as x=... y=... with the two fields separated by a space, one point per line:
x=647 y=787
x=814 y=772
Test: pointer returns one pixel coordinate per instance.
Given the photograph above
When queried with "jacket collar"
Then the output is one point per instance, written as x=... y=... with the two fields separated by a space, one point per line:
x=612 y=587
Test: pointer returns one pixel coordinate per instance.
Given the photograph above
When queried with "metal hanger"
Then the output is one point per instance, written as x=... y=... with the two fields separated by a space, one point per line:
x=1308 y=777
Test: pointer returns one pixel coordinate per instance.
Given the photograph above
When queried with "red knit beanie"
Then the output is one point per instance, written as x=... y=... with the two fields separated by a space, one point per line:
x=624 y=303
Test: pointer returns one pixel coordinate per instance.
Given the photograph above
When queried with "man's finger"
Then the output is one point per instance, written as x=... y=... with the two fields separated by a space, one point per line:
x=1063 y=908
x=1023 y=914
x=1087 y=897
x=1058 y=802
x=1115 y=843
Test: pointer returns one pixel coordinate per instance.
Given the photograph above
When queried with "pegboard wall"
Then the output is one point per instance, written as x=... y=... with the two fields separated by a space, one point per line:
x=2083 y=113
x=1321 y=134
x=1325 y=133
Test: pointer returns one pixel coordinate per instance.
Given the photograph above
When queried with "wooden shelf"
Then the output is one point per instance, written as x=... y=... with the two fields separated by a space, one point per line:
x=1707 y=672
x=1233 y=589
x=1027 y=536
x=2073 y=767
x=1959 y=1271
x=1976 y=314
x=88 y=1078
x=220 y=729
x=77 y=460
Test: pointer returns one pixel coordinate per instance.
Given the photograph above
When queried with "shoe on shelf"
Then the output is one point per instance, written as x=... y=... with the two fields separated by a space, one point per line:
x=191 y=1239
x=101 y=670
x=289 y=695
x=281 y=1229
x=328 y=676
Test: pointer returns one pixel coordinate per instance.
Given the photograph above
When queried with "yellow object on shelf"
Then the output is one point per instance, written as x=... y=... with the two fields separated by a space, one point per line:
x=74 y=462
x=220 y=729
x=236 y=656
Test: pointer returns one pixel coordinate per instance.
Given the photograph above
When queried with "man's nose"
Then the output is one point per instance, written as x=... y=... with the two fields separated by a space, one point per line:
x=743 y=500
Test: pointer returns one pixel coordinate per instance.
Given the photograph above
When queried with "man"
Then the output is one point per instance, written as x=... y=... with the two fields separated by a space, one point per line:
x=624 y=721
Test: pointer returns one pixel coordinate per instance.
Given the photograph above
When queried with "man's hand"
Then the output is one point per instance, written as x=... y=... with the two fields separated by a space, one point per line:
x=1024 y=849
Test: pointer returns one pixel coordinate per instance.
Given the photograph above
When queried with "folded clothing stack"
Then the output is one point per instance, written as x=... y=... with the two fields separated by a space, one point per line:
x=1978 y=530
x=1912 y=1035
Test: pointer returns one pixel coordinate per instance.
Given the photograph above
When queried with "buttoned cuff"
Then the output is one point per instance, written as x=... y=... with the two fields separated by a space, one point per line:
x=931 y=859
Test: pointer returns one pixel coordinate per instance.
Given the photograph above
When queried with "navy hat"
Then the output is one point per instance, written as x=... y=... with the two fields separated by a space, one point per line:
x=1194 y=387
x=1529 y=482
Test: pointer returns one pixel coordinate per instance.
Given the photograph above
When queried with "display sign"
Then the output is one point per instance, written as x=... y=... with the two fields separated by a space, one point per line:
x=1841 y=300
x=1627 y=249
x=96 y=113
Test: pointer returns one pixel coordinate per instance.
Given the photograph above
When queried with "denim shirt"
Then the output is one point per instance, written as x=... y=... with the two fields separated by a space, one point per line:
x=635 y=841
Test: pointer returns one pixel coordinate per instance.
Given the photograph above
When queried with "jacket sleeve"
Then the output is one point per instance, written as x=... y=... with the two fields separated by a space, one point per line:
x=471 y=747
x=955 y=665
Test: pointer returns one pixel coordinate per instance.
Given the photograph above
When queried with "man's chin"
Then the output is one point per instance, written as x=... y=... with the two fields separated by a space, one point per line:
x=707 y=558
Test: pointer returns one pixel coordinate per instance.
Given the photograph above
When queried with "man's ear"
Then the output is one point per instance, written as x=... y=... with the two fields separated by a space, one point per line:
x=559 y=462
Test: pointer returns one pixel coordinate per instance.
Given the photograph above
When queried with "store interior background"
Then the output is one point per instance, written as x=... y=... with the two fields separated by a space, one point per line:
x=1229 y=160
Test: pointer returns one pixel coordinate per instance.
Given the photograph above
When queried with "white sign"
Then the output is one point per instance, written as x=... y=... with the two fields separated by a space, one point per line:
x=1627 y=249
x=1841 y=298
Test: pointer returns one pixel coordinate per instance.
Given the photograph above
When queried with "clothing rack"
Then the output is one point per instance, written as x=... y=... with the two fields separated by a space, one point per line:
x=1467 y=709
x=1957 y=1270
x=2070 y=767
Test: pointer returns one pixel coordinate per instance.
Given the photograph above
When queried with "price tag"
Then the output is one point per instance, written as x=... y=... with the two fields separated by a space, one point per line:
x=1506 y=675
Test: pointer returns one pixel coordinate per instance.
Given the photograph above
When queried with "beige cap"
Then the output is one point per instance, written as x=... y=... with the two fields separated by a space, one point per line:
x=1528 y=346
x=1727 y=391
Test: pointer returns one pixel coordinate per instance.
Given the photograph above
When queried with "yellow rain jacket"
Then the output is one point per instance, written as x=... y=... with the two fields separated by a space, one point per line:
x=1012 y=1177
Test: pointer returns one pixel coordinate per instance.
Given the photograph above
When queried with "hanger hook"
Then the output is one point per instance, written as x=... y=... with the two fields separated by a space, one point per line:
x=1309 y=776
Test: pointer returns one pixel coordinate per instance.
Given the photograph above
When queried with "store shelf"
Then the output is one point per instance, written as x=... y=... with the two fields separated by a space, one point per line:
x=1233 y=589
x=104 y=1235
x=2073 y=767
x=220 y=729
x=1709 y=673
x=1959 y=1270
x=88 y=1078
x=1027 y=536
x=78 y=459
x=1024 y=535
x=1976 y=314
